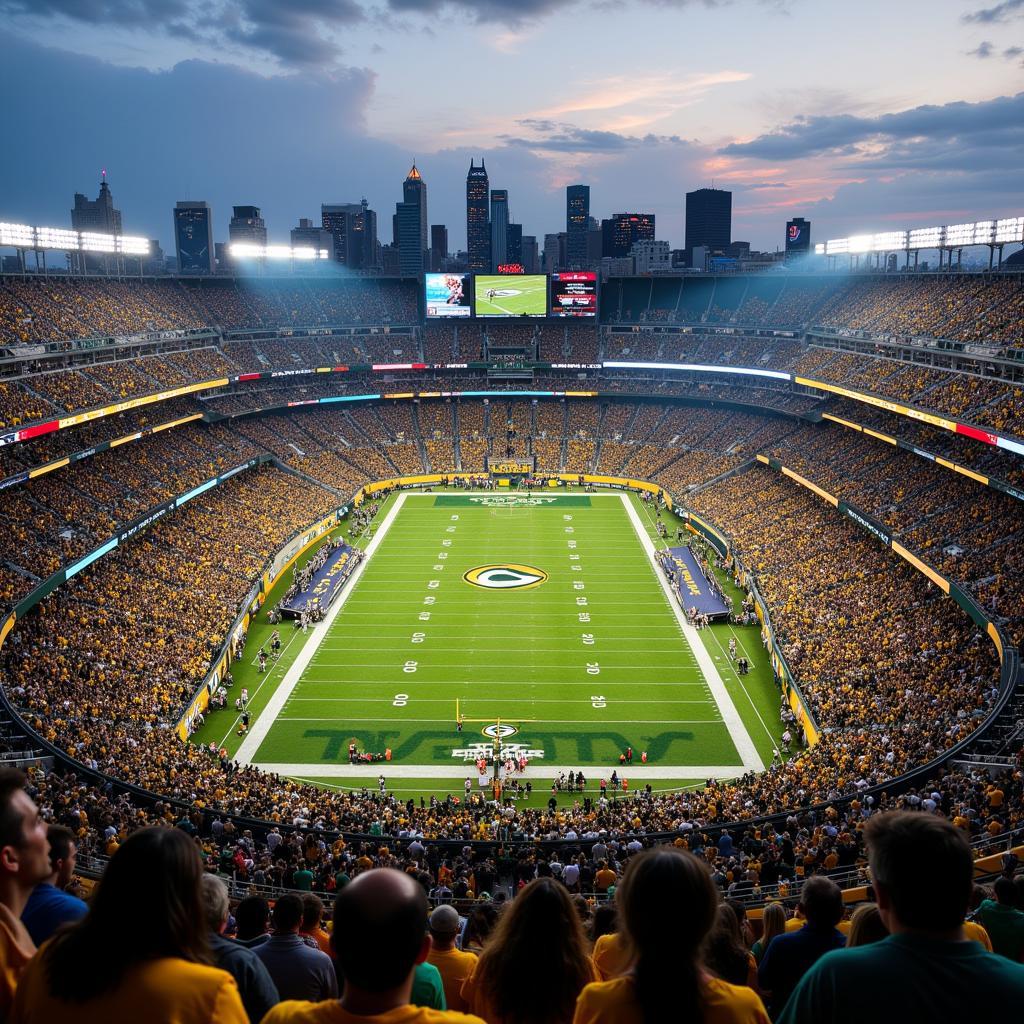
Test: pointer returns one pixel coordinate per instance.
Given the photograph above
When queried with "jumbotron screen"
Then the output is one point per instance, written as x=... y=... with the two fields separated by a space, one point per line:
x=448 y=294
x=574 y=294
x=511 y=295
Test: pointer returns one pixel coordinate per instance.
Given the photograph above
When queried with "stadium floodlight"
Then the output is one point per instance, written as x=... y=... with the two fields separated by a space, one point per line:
x=94 y=242
x=131 y=245
x=819 y=248
x=860 y=243
x=837 y=246
x=984 y=232
x=19 y=236
x=56 y=238
x=889 y=241
x=249 y=251
x=1009 y=229
x=925 y=238
x=958 y=234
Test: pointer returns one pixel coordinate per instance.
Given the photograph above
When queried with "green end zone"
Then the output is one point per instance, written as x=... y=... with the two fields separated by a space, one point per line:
x=551 y=621
x=512 y=501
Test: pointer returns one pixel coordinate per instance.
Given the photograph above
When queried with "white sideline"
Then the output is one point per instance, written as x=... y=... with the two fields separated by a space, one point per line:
x=258 y=733
x=400 y=770
x=737 y=730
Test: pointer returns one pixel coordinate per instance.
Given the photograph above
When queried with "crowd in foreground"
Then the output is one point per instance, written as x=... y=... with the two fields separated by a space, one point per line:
x=668 y=948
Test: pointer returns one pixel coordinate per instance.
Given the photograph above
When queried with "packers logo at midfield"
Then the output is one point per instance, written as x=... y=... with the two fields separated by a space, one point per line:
x=506 y=576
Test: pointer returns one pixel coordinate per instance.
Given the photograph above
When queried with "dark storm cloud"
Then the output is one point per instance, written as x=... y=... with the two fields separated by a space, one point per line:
x=990 y=15
x=558 y=137
x=996 y=123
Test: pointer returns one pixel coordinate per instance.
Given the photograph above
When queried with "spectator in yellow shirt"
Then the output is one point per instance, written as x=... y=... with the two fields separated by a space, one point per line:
x=379 y=936
x=667 y=906
x=97 y=971
x=455 y=965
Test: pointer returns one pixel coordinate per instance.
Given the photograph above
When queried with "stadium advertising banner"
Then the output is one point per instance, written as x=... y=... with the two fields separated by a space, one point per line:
x=447 y=294
x=511 y=295
x=574 y=294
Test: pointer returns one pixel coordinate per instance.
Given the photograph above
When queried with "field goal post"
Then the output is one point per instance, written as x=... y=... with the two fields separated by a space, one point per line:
x=496 y=741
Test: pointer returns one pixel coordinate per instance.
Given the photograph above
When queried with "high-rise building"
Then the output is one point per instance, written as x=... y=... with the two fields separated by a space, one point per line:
x=414 y=192
x=499 y=228
x=478 y=218
x=438 y=246
x=353 y=227
x=246 y=225
x=622 y=230
x=96 y=214
x=798 y=238
x=193 y=237
x=514 y=249
x=309 y=234
x=708 y=219
x=552 y=254
x=577 y=220
x=531 y=255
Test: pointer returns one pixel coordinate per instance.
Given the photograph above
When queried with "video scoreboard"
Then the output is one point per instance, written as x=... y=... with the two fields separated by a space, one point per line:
x=510 y=294
x=574 y=293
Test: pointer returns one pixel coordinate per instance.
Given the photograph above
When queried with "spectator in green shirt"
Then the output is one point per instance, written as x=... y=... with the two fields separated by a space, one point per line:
x=1003 y=922
x=926 y=970
x=302 y=878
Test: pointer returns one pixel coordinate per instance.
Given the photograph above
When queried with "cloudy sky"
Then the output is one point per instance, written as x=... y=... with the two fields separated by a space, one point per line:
x=859 y=116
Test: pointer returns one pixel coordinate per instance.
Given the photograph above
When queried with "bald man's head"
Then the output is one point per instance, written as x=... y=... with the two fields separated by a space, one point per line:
x=380 y=921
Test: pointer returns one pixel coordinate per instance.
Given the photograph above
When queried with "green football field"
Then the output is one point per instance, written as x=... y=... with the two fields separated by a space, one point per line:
x=515 y=296
x=541 y=616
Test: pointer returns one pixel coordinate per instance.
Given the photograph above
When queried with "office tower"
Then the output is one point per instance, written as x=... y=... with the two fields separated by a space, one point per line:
x=514 y=249
x=414 y=192
x=551 y=253
x=622 y=230
x=577 y=219
x=478 y=218
x=246 y=225
x=309 y=234
x=531 y=255
x=353 y=227
x=438 y=246
x=193 y=237
x=96 y=214
x=708 y=219
x=499 y=228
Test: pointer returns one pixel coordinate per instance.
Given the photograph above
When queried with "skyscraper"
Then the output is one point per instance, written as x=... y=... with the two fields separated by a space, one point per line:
x=414 y=191
x=514 y=248
x=247 y=226
x=478 y=218
x=354 y=229
x=577 y=219
x=96 y=214
x=438 y=246
x=499 y=228
x=309 y=234
x=708 y=219
x=193 y=237
x=619 y=232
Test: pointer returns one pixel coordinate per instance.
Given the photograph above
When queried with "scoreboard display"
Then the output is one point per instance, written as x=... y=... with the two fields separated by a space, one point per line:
x=447 y=294
x=574 y=293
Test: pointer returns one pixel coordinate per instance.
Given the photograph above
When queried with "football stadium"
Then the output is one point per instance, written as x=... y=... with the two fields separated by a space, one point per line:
x=525 y=613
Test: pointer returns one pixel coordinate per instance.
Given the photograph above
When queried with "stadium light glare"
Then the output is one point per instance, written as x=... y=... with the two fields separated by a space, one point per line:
x=925 y=238
x=93 y=242
x=56 y=238
x=132 y=245
x=20 y=236
x=950 y=236
x=249 y=251
x=1009 y=229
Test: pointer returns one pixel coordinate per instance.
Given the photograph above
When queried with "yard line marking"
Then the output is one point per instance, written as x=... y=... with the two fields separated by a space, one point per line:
x=740 y=737
x=547 y=721
x=635 y=773
x=258 y=733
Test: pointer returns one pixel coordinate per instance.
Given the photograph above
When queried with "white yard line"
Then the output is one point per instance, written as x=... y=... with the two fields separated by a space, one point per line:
x=258 y=733
x=447 y=771
x=740 y=737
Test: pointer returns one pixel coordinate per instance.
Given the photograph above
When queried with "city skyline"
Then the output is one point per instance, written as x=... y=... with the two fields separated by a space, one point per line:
x=270 y=107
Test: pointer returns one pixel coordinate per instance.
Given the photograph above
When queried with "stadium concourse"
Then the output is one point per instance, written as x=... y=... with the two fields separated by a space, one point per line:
x=868 y=487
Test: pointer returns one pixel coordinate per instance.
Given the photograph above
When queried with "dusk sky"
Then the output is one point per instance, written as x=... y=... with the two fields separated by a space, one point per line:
x=859 y=116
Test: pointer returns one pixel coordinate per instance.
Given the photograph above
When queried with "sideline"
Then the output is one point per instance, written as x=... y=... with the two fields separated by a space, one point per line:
x=398 y=770
x=258 y=733
x=737 y=731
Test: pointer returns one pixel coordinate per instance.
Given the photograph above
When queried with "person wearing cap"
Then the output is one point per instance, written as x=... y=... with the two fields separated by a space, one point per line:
x=455 y=965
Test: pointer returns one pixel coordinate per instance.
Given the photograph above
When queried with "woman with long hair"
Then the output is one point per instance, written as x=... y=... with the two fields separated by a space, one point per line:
x=773 y=922
x=866 y=926
x=535 y=963
x=141 y=953
x=667 y=906
x=725 y=953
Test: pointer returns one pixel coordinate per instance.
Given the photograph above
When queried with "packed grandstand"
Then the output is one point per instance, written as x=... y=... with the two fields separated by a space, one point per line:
x=858 y=440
